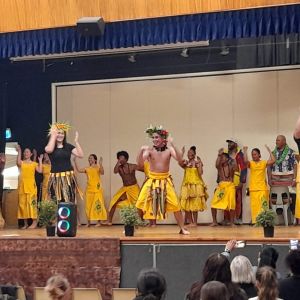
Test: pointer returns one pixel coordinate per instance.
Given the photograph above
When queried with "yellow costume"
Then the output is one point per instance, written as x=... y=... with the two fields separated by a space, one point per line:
x=297 y=209
x=131 y=192
x=193 y=191
x=94 y=201
x=158 y=196
x=224 y=196
x=27 y=191
x=46 y=168
x=258 y=187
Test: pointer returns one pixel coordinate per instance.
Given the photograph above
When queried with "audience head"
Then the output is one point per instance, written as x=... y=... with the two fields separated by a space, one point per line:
x=214 y=290
x=292 y=261
x=58 y=287
x=151 y=285
x=242 y=270
x=268 y=257
x=266 y=283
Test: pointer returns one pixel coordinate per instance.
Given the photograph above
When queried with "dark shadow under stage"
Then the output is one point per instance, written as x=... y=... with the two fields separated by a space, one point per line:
x=103 y=257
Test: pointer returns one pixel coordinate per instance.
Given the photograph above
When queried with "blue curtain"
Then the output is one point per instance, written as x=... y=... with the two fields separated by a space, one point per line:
x=159 y=31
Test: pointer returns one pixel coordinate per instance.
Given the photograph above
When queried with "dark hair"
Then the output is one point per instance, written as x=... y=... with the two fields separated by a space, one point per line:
x=94 y=156
x=193 y=148
x=268 y=257
x=216 y=268
x=151 y=285
x=123 y=153
x=226 y=155
x=214 y=290
x=256 y=150
x=292 y=261
x=268 y=286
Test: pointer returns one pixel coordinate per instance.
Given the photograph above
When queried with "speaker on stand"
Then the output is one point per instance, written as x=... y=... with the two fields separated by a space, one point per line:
x=66 y=219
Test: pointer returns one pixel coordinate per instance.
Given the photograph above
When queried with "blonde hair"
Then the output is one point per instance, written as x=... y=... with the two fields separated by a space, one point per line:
x=267 y=283
x=57 y=286
x=242 y=270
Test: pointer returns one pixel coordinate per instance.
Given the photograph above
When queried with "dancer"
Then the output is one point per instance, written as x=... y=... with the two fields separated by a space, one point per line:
x=157 y=196
x=94 y=200
x=128 y=193
x=224 y=196
x=27 y=208
x=297 y=179
x=46 y=168
x=193 y=190
x=258 y=188
x=62 y=182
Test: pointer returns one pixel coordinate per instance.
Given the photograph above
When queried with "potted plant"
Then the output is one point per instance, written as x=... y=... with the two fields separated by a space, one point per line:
x=130 y=218
x=47 y=215
x=266 y=219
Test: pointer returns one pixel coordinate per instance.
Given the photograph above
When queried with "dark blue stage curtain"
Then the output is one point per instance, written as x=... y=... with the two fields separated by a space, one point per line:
x=159 y=31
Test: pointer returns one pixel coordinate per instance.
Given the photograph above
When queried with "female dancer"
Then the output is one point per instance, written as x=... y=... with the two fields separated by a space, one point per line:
x=46 y=168
x=27 y=189
x=193 y=190
x=62 y=182
x=94 y=200
x=258 y=188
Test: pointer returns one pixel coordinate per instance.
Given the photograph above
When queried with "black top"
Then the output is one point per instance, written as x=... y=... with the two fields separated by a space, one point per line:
x=61 y=159
x=249 y=288
x=289 y=288
x=298 y=143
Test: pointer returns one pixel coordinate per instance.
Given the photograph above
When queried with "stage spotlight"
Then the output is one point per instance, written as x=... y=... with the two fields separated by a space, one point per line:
x=185 y=52
x=132 y=58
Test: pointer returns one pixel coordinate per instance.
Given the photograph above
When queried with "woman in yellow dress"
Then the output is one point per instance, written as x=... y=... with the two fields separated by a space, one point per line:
x=27 y=190
x=94 y=200
x=258 y=187
x=193 y=190
x=46 y=168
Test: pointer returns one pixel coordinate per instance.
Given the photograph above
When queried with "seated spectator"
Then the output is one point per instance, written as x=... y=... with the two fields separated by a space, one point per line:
x=289 y=288
x=151 y=285
x=214 y=290
x=58 y=288
x=266 y=283
x=243 y=275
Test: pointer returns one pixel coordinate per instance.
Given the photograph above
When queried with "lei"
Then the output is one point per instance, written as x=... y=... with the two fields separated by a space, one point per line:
x=282 y=156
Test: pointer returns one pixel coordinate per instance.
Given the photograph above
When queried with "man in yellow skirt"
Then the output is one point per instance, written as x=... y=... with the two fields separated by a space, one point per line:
x=224 y=196
x=157 y=196
x=297 y=179
x=129 y=192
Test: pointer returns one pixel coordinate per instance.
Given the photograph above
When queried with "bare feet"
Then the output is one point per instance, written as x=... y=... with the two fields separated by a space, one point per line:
x=98 y=224
x=214 y=224
x=184 y=231
x=32 y=226
x=24 y=227
x=107 y=223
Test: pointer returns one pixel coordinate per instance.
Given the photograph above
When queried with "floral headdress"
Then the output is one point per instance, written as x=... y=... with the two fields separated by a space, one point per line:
x=159 y=130
x=60 y=126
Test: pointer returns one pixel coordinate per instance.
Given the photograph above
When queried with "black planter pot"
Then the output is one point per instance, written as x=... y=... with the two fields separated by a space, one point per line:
x=50 y=230
x=129 y=230
x=269 y=231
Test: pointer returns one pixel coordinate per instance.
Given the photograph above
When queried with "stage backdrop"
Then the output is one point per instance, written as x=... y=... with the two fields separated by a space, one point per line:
x=200 y=111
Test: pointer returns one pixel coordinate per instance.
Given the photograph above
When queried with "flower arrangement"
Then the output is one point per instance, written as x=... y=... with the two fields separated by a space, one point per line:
x=157 y=129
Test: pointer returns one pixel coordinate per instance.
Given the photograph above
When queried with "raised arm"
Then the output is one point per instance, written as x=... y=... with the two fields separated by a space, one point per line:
x=199 y=166
x=2 y=161
x=52 y=140
x=19 y=156
x=77 y=151
x=272 y=158
x=175 y=153
x=101 y=165
x=246 y=159
x=79 y=170
x=143 y=155
x=218 y=161
x=117 y=166
x=39 y=167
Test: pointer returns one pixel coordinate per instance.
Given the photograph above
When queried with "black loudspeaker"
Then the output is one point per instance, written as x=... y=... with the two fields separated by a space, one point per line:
x=66 y=219
x=91 y=26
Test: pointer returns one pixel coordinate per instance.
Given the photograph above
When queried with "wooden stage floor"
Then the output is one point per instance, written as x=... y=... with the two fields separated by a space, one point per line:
x=169 y=234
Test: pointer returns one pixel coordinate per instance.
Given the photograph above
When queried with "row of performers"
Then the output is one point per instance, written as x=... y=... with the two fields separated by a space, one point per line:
x=157 y=196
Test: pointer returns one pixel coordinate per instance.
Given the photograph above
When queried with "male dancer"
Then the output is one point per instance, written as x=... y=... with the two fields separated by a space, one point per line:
x=157 y=196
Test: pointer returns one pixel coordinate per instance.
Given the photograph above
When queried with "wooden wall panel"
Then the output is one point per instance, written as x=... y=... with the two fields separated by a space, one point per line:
x=18 y=15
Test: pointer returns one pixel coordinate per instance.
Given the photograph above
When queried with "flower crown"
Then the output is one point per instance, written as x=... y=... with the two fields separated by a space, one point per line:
x=159 y=130
x=60 y=126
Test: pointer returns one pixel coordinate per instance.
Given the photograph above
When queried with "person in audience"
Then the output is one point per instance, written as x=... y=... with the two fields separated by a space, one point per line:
x=151 y=285
x=193 y=190
x=94 y=201
x=258 y=187
x=242 y=274
x=266 y=283
x=27 y=190
x=58 y=288
x=289 y=288
x=46 y=168
x=214 y=290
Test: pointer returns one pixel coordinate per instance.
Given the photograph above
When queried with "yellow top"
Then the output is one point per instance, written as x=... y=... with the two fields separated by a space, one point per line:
x=94 y=181
x=27 y=177
x=191 y=176
x=146 y=168
x=46 y=168
x=258 y=176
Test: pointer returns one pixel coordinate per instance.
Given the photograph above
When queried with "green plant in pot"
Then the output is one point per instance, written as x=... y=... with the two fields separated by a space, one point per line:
x=266 y=219
x=130 y=217
x=48 y=215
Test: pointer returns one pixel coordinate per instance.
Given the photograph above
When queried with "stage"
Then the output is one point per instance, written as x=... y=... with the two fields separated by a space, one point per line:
x=104 y=258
